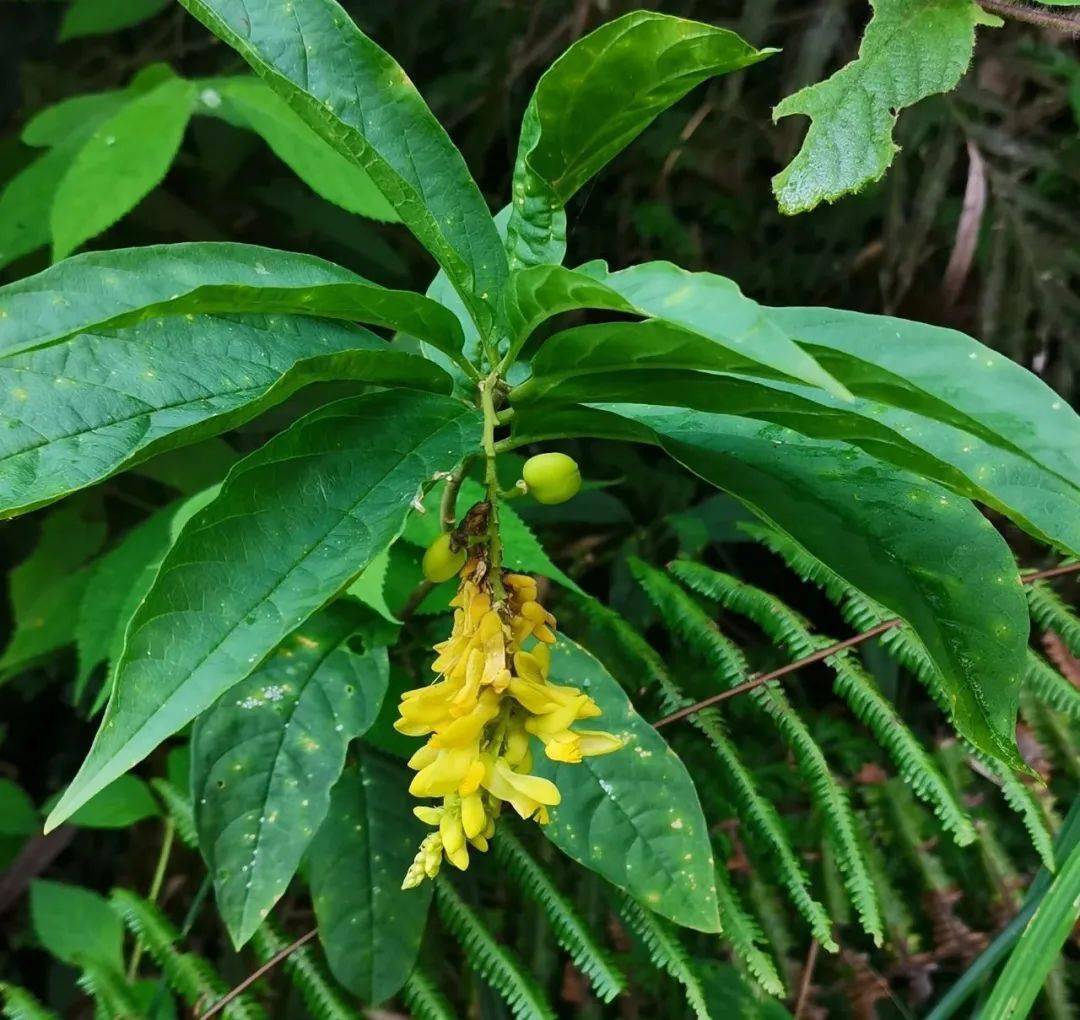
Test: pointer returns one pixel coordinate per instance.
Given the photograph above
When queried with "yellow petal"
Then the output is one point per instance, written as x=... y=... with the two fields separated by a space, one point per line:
x=594 y=742
x=453 y=836
x=473 y=815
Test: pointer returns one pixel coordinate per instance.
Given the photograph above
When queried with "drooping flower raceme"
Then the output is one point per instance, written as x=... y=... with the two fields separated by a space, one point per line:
x=492 y=696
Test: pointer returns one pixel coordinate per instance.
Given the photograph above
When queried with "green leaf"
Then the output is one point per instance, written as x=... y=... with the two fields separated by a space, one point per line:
x=1041 y=503
x=123 y=161
x=113 y=579
x=125 y=801
x=710 y=306
x=1039 y=946
x=80 y=411
x=596 y=99
x=46 y=588
x=73 y=923
x=909 y=51
x=18 y=816
x=75 y=118
x=328 y=495
x=19 y=1004
x=327 y=172
x=610 y=818
x=943 y=374
x=119 y=288
x=99 y=17
x=266 y=755
x=928 y=556
x=356 y=96
x=369 y=926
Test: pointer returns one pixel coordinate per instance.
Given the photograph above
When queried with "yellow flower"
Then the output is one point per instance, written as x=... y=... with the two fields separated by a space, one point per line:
x=492 y=698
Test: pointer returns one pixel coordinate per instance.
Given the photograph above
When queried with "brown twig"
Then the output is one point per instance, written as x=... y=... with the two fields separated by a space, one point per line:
x=1034 y=15
x=807 y=977
x=824 y=653
x=270 y=964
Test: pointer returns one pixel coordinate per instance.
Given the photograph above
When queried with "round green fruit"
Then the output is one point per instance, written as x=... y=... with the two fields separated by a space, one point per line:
x=552 y=477
x=440 y=561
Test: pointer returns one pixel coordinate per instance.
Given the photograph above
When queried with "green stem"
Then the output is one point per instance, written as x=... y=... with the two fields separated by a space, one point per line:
x=491 y=483
x=448 y=505
x=155 y=890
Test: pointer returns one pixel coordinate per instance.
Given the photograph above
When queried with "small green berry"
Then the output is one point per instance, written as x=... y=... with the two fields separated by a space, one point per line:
x=441 y=562
x=552 y=477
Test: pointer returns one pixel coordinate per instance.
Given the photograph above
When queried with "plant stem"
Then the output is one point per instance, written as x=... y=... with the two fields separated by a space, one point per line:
x=448 y=505
x=155 y=889
x=491 y=483
x=1058 y=22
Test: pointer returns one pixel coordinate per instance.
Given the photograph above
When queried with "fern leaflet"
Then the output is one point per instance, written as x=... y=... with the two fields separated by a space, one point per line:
x=19 y=1004
x=1023 y=802
x=1051 y=613
x=571 y=931
x=788 y=630
x=1050 y=687
x=745 y=935
x=187 y=974
x=179 y=809
x=687 y=618
x=425 y=1001
x=307 y=973
x=665 y=950
x=113 y=999
x=493 y=962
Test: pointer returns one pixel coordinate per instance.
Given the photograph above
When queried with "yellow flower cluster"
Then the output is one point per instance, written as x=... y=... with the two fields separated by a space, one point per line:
x=492 y=696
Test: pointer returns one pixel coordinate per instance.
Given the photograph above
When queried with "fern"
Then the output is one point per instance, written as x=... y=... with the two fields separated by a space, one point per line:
x=665 y=950
x=1054 y=733
x=788 y=630
x=425 y=1001
x=494 y=963
x=1051 y=613
x=179 y=808
x=686 y=618
x=19 y=1004
x=1023 y=802
x=894 y=909
x=745 y=935
x=307 y=973
x=757 y=811
x=187 y=974
x=571 y=931
x=112 y=995
x=1050 y=686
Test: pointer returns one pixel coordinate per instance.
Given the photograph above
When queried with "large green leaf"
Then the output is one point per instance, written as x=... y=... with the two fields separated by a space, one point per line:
x=596 y=99
x=354 y=94
x=18 y=816
x=82 y=410
x=126 y=158
x=325 y=170
x=76 y=924
x=708 y=305
x=1037 y=500
x=265 y=756
x=369 y=926
x=944 y=374
x=910 y=50
x=99 y=17
x=633 y=816
x=928 y=555
x=118 y=288
x=292 y=525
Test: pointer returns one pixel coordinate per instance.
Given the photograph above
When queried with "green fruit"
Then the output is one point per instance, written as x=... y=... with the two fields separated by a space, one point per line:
x=552 y=477
x=440 y=561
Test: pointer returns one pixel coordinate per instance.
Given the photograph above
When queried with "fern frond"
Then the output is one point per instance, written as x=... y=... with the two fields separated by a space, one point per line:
x=179 y=808
x=893 y=799
x=665 y=950
x=1050 y=686
x=1051 y=613
x=493 y=962
x=704 y=639
x=424 y=999
x=19 y=1004
x=756 y=811
x=1054 y=733
x=571 y=931
x=1023 y=802
x=112 y=995
x=746 y=937
x=894 y=909
x=787 y=629
x=187 y=974
x=307 y=973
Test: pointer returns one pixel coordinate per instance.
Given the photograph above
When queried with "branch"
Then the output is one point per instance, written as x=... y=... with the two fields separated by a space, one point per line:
x=270 y=964
x=824 y=653
x=1033 y=15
